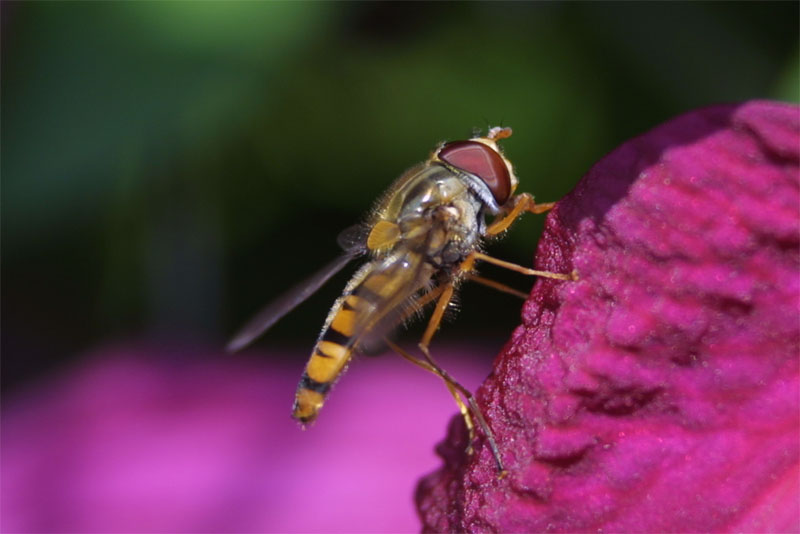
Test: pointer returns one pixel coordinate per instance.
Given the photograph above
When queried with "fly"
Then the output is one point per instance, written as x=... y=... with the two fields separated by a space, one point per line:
x=422 y=240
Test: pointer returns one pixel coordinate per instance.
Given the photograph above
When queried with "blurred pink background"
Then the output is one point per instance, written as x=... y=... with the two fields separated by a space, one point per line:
x=157 y=440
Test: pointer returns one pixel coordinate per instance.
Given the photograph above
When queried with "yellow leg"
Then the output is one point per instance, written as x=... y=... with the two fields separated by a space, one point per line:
x=522 y=203
x=466 y=412
x=438 y=313
x=418 y=305
x=519 y=268
x=496 y=285
x=421 y=302
x=433 y=325
x=468 y=409
x=453 y=389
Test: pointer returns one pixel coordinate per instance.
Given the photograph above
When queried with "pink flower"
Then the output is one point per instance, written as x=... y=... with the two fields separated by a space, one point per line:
x=660 y=392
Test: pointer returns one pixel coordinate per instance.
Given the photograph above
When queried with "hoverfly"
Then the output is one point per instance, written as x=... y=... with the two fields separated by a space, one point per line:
x=422 y=240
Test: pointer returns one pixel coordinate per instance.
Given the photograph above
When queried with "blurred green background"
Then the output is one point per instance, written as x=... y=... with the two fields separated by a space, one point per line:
x=168 y=167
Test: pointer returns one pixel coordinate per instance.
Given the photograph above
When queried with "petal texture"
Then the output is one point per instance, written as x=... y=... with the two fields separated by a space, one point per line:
x=659 y=393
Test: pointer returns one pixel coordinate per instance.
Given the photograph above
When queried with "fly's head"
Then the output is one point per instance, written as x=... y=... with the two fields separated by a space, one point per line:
x=481 y=163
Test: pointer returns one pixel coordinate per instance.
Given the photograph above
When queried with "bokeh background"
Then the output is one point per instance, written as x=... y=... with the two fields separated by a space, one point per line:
x=169 y=167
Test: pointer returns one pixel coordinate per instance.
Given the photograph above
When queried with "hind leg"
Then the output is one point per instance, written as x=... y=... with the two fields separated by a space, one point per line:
x=453 y=385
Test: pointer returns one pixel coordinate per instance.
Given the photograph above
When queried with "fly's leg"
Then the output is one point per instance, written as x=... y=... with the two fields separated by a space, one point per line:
x=452 y=388
x=420 y=303
x=433 y=325
x=455 y=388
x=475 y=256
x=522 y=203
x=444 y=297
x=438 y=314
x=496 y=285
x=424 y=300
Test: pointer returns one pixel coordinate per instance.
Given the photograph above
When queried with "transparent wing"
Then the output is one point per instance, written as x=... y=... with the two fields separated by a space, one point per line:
x=373 y=341
x=286 y=303
x=407 y=279
x=402 y=306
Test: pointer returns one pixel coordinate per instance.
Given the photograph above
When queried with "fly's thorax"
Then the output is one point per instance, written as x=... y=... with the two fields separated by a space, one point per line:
x=443 y=222
x=434 y=209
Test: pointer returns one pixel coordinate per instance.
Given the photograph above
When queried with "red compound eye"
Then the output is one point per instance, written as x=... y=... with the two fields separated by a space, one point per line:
x=482 y=161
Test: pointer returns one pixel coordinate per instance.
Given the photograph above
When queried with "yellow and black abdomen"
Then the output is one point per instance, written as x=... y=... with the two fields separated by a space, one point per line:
x=329 y=358
x=368 y=307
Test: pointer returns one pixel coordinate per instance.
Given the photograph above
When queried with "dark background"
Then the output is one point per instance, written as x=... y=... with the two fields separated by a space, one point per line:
x=167 y=168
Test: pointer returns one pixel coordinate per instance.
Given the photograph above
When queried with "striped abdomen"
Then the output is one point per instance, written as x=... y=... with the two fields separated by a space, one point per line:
x=370 y=300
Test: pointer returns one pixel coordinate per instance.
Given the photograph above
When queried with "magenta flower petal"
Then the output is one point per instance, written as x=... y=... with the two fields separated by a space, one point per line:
x=660 y=392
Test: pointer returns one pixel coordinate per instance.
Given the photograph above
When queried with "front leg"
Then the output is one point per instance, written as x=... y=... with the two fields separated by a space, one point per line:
x=521 y=203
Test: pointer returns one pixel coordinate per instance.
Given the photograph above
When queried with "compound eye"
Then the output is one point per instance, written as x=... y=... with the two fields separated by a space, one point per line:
x=482 y=161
